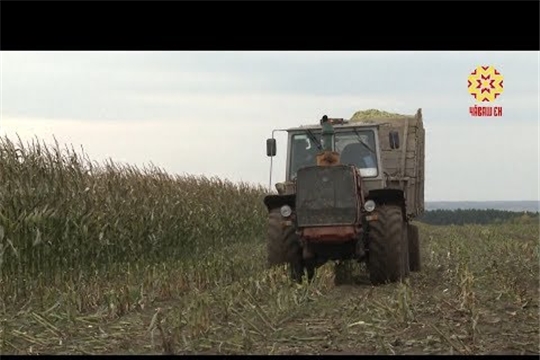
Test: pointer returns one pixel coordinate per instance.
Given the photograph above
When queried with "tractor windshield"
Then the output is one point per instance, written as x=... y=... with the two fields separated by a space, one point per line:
x=303 y=152
x=358 y=148
x=355 y=146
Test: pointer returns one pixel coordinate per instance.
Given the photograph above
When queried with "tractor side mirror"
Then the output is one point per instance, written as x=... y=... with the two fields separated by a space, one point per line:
x=393 y=137
x=271 y=147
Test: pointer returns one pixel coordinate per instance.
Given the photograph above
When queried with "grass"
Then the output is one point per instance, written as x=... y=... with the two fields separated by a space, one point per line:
x=143 y=263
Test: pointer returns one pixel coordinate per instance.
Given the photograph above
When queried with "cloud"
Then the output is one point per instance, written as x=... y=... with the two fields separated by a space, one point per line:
x=163 y=107
x=483 y=160
x=108 y=85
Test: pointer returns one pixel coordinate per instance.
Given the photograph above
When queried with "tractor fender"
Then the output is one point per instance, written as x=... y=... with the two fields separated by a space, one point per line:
x=389 y=197
x=276 y=201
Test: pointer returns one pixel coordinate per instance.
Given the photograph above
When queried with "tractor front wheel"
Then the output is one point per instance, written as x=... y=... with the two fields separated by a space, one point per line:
x=283 y=247
x=387 y=260
x=277 y=238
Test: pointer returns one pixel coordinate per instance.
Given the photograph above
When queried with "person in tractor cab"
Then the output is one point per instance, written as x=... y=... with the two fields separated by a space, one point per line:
x=356 y=154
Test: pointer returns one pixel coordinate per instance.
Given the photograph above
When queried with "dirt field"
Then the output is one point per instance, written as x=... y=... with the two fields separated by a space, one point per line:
x=477 y=294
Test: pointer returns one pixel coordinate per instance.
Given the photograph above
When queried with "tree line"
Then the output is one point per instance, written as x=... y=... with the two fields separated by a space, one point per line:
x=478 y=216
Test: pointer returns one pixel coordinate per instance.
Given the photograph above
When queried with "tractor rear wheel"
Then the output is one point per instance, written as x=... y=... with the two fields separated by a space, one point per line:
x=414 y=248
x=387 y=261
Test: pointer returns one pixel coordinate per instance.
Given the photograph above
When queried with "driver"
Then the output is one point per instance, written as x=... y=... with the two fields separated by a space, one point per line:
x=367 y=158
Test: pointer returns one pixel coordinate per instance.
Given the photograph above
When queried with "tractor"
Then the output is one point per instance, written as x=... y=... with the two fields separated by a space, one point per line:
x=352 y=189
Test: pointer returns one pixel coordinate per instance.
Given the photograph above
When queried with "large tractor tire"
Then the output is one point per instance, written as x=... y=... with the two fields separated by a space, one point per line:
x=414 y=248
x=275 y=242
x=387 y=257
x=283 y=247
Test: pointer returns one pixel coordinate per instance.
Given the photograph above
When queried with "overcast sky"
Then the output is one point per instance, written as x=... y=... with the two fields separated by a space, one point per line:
x=163 y=107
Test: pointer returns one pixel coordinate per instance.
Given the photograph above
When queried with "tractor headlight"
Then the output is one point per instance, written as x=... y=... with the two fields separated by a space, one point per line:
x=369 y=206
x=286 y=211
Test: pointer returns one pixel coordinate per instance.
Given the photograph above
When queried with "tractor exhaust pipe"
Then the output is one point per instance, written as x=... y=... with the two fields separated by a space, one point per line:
x=328 y=156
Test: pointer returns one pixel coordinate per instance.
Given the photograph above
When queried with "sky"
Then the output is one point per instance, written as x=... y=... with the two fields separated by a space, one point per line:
x=163 y=107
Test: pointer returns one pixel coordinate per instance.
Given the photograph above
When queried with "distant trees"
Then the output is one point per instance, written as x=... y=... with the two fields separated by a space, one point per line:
x=478 y=216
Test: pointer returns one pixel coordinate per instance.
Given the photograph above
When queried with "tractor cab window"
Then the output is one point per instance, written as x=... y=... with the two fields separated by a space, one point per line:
x=358 y=148
x=355 y=148
x=303 y=152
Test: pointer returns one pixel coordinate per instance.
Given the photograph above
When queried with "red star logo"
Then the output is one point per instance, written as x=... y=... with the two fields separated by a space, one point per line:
x=485 y=83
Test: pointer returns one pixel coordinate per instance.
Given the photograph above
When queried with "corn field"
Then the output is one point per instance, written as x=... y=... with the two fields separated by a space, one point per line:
x=65 y=219
x=113 y=259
